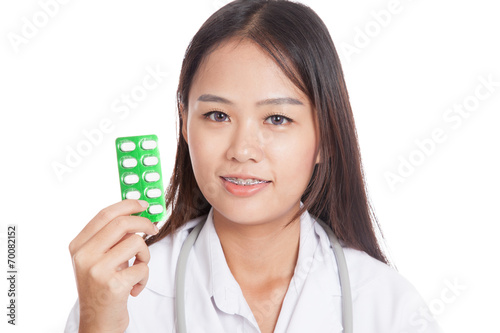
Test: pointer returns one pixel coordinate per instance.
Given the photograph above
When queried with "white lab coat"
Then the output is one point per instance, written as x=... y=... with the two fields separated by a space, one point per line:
x=383 y=300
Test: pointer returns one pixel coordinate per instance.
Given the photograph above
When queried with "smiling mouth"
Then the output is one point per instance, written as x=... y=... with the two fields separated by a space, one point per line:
x=245 y=182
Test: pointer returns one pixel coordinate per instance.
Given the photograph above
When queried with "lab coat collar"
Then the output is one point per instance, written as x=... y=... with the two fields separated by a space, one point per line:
x=225 y=290
x=315 y=257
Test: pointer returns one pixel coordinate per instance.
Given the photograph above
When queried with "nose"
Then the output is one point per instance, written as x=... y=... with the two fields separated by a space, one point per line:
x=245 y=144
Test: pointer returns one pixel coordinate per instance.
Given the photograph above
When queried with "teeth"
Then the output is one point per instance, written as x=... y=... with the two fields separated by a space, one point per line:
x=244 y=182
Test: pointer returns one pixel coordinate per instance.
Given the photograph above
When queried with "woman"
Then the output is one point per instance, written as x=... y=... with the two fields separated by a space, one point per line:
x=267 y=147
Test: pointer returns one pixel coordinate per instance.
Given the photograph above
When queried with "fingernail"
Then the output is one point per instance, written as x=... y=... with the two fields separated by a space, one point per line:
x=143 y=203
x=156 y=228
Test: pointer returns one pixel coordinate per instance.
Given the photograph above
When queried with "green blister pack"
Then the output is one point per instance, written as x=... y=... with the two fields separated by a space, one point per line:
x=139 y=169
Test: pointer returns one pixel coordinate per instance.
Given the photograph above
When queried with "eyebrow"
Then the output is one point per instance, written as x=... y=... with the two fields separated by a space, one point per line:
x=269 y=101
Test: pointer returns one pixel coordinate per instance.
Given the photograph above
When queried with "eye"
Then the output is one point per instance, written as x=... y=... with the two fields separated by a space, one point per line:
x=277 y=119
x=217 y=116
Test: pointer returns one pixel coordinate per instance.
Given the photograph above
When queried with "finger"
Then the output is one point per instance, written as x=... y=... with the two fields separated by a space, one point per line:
x=124 y=251
x=136 y=276
x=106 y=215
x=125 y=264
x=137 y=289
x=113 y=232
x=122 y=266
x=124 y=237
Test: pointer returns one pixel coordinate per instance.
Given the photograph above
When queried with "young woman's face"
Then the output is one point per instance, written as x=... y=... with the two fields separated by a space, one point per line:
x=248 y=123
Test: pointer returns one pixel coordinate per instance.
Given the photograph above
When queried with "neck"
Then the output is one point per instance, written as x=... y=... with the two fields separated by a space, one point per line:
x=258 y=254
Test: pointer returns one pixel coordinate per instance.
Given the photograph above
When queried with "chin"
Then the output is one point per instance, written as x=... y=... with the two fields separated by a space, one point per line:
x=253 y=212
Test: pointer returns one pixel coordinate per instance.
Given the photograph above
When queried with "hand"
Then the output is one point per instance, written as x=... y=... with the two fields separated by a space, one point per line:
x=100 y=255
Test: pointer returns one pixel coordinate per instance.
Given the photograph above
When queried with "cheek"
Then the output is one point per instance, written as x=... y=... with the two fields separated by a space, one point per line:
x=294 y=158
x=205 y=150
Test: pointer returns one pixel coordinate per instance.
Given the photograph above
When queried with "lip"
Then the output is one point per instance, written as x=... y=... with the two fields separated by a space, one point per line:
x=243 y=190
x=244 y=176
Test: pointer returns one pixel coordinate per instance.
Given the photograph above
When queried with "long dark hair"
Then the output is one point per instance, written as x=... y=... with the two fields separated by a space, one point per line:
x=299 y=42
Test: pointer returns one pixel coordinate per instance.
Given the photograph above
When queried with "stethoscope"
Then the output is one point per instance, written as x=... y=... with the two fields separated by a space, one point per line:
x=180 y=278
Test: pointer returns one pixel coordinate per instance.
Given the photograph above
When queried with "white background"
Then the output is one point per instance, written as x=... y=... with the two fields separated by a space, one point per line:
x=441 y=223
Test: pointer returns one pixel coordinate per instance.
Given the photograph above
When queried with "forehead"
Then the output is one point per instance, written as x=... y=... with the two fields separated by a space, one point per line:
x=243 y=69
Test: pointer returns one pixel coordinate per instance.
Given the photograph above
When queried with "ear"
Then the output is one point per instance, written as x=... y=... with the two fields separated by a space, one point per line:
x=318 y=157
x=183 y=115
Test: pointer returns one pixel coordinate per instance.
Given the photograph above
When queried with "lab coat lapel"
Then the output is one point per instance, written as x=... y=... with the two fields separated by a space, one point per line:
x=317 y=307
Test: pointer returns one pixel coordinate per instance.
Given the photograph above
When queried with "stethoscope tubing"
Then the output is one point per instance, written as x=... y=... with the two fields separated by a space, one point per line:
x=180 y=278
x=345 y=284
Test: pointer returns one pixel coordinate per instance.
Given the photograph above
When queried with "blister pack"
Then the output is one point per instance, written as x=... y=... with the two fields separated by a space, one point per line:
x=139 y=169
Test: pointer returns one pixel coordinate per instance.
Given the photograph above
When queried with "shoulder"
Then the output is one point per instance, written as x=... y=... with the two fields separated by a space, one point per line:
x=371 y=276
x=365 y=271
x=164 y=255
x=383 y=299
x=381 y=292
